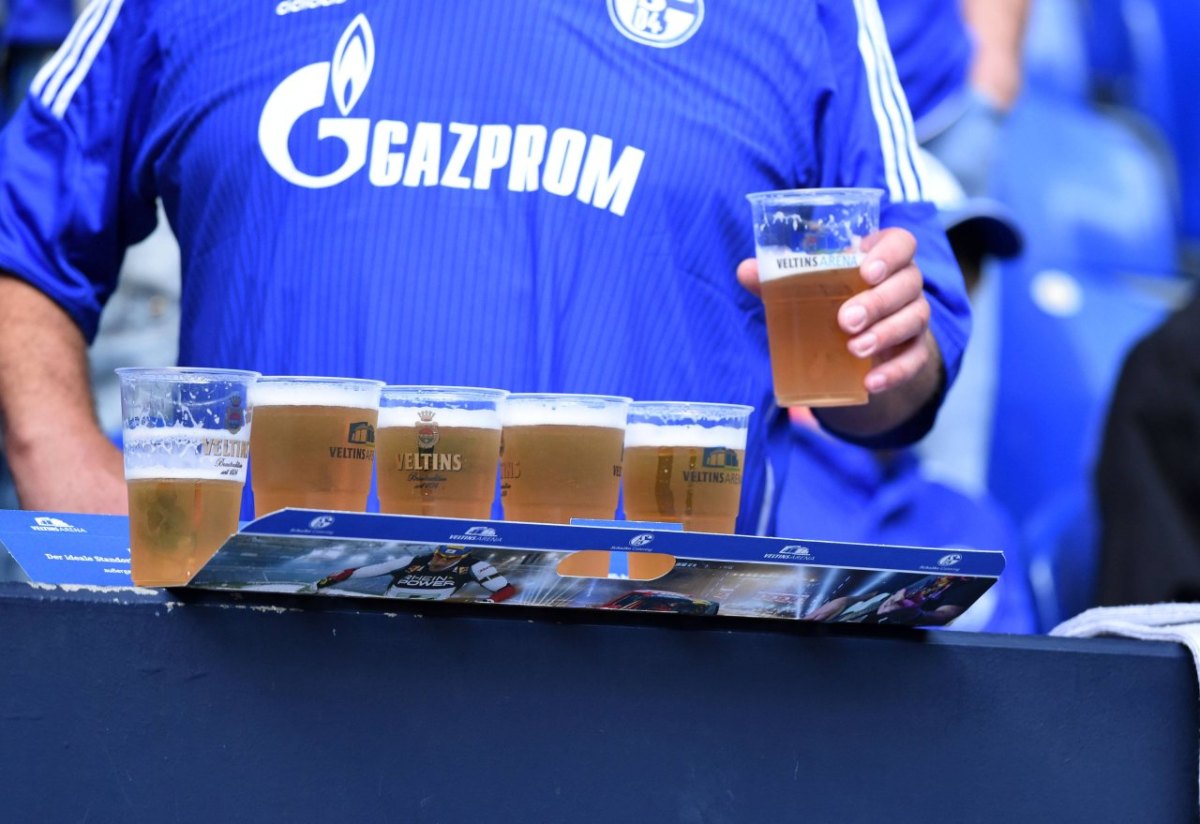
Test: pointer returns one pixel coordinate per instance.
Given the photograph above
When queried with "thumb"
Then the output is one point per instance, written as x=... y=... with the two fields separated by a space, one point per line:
x=747 y=275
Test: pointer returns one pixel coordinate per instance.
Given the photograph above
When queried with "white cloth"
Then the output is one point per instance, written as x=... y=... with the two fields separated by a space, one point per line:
x=1179 y=623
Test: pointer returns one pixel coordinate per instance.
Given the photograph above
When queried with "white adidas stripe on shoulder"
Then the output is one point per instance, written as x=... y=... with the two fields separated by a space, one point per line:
x=887 y=143
x=889 y=106
x=59 y=108
x=894 y=92
x=48 y=80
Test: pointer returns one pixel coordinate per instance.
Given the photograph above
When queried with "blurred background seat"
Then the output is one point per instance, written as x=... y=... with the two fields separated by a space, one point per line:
x=1142 y=57
x=1093 y=188
x=1099 y=270
x=1061 y=542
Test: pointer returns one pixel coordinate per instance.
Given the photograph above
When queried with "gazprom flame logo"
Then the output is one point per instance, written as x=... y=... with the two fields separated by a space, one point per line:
x=561 y=161
x=308 y=89
x=659 y=23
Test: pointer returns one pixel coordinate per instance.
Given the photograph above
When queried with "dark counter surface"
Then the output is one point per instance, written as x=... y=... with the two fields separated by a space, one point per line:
x=126 y=705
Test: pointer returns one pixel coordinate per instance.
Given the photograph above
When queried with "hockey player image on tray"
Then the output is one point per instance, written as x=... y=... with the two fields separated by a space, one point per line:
x=435 y=576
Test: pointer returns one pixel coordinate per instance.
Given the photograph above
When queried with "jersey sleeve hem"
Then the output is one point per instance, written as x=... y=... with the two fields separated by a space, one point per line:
x=87 y=321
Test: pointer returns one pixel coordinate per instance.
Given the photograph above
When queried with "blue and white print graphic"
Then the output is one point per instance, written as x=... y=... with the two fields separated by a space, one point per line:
x=659 y=23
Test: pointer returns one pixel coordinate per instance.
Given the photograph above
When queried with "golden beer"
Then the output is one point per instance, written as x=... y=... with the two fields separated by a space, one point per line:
x=810 y=363
x=311 y=456
x=699 y=487
x=453 y=477
x=552 y=473
x=684 y=463
x=176 y=524
x=186 y=444
x=808 y=243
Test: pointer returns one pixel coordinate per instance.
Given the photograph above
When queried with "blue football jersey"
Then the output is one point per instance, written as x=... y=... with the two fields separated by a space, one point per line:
x=530 y=195
x=932 y=50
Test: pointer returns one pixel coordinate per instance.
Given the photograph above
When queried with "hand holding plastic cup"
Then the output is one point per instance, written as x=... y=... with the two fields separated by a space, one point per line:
x=186 y=441
x=683 y=463
x=808 y=244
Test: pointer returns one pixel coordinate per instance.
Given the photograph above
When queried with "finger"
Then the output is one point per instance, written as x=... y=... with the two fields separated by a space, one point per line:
x=747 y=275
x=892 y=240
x=887 y=251
x=895 y=330
x=899 y=365
x=873 y=305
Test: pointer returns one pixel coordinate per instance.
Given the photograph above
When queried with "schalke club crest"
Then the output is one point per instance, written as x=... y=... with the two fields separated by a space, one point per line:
x=659 y=23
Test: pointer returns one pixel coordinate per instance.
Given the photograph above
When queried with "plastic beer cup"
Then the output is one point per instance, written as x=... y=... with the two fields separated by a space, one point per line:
x=314 y=447
x=561 y=456
x=438 y=449
x=684 y=462
x=808 y=243
x=186 y=436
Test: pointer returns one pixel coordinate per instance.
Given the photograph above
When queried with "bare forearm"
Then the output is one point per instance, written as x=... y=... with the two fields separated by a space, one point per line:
x=59 y=457
x=999 y=29
x=43 y=373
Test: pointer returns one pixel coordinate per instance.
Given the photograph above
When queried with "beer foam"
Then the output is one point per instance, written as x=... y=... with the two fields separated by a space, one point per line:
x=162 y=472
x=398 y=416
x=176 y=439
x=648 y=434
x=176 y=453
x=530 y=414
x=314 y=394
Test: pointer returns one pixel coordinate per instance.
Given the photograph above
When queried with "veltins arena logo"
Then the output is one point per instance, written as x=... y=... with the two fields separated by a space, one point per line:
x=361 y=432
x=659 y=23
x=719 y=458
x=45 y=524
x=478 y=533
x=951 y=560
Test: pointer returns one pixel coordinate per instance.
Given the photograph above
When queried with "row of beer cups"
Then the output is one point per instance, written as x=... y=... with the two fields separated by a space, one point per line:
x=310 y=442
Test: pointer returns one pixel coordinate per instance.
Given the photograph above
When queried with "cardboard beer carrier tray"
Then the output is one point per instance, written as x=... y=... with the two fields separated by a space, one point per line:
x=599 y=565
x=611 y=565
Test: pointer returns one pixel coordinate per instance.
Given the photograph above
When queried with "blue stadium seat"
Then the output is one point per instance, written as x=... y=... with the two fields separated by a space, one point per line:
x=1055 y=48
x=1063 y=338
x=1097 y=273
x=1143 y=56
x=1061 y=539
x=1086 y=189
x=1166 y=65
x=1109 y=51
